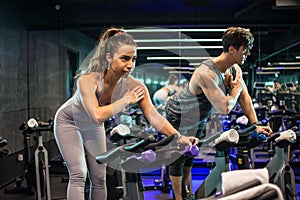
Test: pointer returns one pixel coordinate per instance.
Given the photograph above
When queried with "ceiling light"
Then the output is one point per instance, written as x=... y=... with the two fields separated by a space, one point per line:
x=283 y=63
x=195 y=64
x=179 y=47
x=177 y=58
x=177 y=40
x=180 y=72
x=184 y=68
x=273 y=72
x=157 y=30
x=279 y=68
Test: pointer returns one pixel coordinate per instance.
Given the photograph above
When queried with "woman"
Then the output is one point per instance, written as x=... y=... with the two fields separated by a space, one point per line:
x=104 y=88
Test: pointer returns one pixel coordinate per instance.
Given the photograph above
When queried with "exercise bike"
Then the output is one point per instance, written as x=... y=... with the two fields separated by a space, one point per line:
x=280 y=172
x=278 y=169
x=212 y=184
x=119 y=135
x=36 y=169
x=146 y=152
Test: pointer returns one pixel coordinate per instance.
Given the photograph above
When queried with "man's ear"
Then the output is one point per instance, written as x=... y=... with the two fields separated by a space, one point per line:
x=231 y=49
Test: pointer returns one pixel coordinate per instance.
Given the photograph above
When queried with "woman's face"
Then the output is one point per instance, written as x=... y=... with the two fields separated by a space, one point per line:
x=123 y=60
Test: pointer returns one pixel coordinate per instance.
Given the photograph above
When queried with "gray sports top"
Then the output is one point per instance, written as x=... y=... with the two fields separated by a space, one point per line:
x=192 y=107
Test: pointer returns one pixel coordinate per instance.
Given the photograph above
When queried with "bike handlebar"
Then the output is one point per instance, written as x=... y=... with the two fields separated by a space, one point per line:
x=215 y=137
x=281 y=139
x=160 y=143
x=247 y=130
x=125 y=149
x=277 y=134
x=36 y=125
x=141 y=146
x=2 y=143
x=284 y=138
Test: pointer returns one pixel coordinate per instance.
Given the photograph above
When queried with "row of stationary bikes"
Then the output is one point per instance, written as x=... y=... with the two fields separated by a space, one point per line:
x=148 y=152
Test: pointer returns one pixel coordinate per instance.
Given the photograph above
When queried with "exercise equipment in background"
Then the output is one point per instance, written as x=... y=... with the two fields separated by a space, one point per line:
x=36 y=166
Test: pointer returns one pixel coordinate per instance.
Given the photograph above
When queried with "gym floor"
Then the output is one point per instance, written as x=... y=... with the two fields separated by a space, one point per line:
x=58 y=187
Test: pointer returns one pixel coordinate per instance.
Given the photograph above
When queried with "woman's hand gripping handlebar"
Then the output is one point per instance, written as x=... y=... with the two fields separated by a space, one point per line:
x=187 y=140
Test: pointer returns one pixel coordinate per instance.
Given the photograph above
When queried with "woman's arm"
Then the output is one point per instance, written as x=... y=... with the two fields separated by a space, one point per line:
x=87 y=85
x=149 y=111
x=160 y=123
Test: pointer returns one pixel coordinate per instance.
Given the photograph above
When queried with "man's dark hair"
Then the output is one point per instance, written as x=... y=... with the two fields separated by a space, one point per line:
x=237 y=37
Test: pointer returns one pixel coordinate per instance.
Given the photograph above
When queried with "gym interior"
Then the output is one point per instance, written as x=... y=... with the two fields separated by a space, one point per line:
x=44 y=42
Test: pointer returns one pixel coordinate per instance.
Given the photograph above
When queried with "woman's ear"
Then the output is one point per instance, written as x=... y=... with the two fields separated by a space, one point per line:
x=108 y=57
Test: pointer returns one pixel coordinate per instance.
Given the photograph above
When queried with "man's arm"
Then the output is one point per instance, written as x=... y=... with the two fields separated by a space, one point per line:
x=248 y=109
x=247 y=106
x=206 y=81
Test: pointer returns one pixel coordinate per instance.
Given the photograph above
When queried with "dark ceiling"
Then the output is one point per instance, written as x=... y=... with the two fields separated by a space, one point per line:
x=275 y=23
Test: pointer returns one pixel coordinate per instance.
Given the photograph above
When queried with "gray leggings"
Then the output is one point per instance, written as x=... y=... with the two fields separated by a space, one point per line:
x=79 y=148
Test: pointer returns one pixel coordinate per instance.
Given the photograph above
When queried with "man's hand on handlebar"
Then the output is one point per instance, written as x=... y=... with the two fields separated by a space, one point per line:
x=266 y=130
x=188 y=140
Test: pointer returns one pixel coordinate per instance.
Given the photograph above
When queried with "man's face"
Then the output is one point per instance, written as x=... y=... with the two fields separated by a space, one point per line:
x=242 y=54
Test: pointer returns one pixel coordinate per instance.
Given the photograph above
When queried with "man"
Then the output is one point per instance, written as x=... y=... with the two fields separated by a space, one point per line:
x=215 y=86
